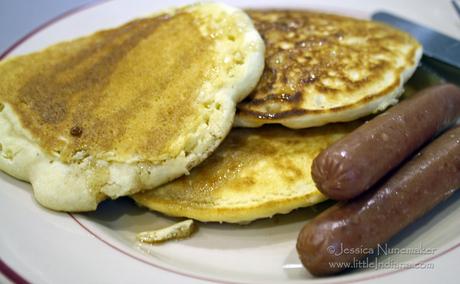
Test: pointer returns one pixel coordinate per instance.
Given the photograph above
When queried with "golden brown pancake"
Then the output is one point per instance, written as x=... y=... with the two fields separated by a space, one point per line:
x=254 y=174
x=322 y=68
x=80 y=96
x=128 y=108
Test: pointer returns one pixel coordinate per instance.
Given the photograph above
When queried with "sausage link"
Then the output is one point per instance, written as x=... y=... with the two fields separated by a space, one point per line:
x=374 y=217
x=356 y=162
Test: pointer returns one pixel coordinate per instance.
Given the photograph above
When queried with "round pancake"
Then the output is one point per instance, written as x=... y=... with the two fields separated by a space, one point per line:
x=322 y=68
x=255 y=173
x=128 y=108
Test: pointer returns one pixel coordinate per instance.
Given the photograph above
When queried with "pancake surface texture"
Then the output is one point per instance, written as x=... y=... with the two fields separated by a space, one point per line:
x=322 y=68
x=128 y=108
x=255 y=173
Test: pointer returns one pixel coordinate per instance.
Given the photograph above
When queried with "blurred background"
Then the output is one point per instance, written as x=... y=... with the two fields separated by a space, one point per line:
x=18 y=17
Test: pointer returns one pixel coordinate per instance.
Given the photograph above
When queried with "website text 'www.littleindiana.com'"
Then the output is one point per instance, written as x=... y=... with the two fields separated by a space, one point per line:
x=374 y=263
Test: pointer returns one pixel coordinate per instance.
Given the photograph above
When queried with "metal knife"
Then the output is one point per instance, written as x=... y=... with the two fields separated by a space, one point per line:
x=435 y=45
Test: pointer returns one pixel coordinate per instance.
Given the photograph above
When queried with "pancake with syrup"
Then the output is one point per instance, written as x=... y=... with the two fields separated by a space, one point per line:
x=322 y=68
x=255 y=173
x=128 y=108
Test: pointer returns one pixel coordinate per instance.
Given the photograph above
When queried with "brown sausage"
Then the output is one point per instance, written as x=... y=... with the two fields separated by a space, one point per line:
x=355 y=163
x=374 y=217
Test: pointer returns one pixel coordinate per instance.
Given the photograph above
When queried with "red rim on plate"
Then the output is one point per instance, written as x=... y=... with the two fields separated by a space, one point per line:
x=15 y=277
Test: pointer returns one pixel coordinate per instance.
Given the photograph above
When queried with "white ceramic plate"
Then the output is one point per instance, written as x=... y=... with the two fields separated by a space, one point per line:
x=41 y=246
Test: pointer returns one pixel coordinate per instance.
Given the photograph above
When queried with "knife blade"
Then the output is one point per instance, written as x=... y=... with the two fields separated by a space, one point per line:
x=435 y=45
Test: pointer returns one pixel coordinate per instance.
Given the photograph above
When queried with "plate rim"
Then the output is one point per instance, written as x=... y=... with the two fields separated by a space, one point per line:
x=16 y=277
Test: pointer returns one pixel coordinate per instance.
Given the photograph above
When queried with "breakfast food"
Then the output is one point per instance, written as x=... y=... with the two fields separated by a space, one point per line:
x=176 y=231
x=128 y=108
x=323 y=68
x=362 y=224
x=255 y=173
x=356 y=162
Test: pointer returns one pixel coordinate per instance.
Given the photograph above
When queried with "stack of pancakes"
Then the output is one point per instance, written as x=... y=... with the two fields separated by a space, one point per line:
x=141 y=109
